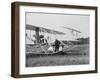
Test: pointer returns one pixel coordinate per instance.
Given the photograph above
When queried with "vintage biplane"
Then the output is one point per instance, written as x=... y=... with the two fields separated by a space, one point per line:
x=44 y=42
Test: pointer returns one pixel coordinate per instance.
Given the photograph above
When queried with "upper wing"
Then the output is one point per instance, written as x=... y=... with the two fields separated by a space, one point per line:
x=32 y=27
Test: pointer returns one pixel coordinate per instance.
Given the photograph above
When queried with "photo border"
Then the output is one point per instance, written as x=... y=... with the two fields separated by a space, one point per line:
x=15 y=38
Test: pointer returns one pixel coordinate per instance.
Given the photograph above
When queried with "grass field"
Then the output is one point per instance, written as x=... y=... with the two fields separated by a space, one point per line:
x=74 y=55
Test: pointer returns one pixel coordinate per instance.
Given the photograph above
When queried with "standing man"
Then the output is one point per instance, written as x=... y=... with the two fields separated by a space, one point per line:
x=57 y=45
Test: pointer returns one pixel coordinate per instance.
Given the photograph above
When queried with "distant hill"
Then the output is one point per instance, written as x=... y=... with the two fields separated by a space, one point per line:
x=78 y=41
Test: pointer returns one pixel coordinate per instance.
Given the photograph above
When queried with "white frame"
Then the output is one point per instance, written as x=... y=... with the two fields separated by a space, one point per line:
x=30 y=70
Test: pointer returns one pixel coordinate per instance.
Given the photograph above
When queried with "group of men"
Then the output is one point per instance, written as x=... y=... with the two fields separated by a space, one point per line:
x=56 y=47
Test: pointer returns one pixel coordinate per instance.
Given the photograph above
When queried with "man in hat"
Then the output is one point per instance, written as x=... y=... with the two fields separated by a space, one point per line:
x=57 y=45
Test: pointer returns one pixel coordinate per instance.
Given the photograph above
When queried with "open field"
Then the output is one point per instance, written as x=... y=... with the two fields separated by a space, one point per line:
x=74 y=55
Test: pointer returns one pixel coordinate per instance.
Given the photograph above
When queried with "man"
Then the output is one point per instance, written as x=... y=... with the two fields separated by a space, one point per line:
x=57 y=45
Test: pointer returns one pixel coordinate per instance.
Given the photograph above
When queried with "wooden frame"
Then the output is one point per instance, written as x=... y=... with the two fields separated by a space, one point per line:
x=15 y=39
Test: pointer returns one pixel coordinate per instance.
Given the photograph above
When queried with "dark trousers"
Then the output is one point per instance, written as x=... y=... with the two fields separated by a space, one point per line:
x=56 y=48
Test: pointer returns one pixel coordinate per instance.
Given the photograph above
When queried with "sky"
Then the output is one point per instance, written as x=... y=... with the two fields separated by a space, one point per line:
x=59 y=21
